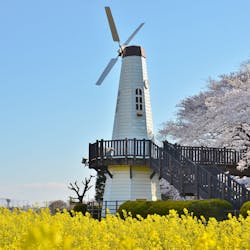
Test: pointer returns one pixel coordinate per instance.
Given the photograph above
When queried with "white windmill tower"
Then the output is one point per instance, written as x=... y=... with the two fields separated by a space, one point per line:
x=132 y=122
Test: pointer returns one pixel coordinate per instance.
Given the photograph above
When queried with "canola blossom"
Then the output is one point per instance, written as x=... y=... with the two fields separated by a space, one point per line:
x=41 y=230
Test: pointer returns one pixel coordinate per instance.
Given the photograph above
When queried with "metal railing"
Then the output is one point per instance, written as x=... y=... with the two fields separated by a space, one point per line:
x=210 y=155
x=184 y=167
x=100 y=209
x=134 y=148
x=127 y=148
x=207 y=183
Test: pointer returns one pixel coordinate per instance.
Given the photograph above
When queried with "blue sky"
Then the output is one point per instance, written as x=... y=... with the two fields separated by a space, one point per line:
x=52 y=53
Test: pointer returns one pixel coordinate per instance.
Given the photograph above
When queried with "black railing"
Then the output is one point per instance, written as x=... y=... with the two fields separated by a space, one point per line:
x=189 y=169
x=127 y=148
x=205 y=183
x=210 y=156
x=100 y=209
x=133 y=148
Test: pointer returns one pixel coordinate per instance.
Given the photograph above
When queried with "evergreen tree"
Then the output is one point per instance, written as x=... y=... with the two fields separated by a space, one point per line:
x=100 y=185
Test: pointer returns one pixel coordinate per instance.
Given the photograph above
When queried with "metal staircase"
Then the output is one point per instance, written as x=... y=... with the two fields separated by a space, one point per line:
x=201 y=180
x=193 y=171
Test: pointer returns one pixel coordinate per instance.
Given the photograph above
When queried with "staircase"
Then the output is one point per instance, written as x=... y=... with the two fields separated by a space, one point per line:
x=204 y=179
x=193 y=171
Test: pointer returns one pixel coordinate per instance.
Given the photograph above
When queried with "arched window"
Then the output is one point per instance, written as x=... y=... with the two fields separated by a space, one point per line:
x=138 y=92
x=138 y=99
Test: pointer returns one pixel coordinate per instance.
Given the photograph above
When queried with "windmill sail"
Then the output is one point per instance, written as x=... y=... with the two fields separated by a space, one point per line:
x=106 y=70
x=112 y=25
x=116 y=38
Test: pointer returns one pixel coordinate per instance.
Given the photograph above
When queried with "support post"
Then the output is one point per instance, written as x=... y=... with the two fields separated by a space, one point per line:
x=225 y=156
x=91 y=153
x=126 y=150
x=152 y=175
x=134 y=148
x=197 y=181
x=106 y=206
x=110 y=175
x=116 y=206
x=144 y=153
x=202 y=156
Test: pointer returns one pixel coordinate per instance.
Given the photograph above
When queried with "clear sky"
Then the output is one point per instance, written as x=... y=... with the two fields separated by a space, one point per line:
x=52 y=53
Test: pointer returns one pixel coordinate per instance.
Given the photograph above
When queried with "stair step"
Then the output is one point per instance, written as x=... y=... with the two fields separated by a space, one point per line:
x=192 y=178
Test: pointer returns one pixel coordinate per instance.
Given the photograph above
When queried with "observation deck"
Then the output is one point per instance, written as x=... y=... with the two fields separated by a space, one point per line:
x=104 y=153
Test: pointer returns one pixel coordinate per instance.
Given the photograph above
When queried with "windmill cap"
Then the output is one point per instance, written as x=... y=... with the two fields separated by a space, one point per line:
x=133 y=51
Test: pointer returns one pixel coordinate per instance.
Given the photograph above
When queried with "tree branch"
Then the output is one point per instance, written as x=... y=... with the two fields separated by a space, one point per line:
x=86 y=184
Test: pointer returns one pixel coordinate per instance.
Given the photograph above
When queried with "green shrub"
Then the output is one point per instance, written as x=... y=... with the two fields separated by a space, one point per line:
x=208 y=208
x=244 y=208
x=80 y=207
x=163 y=207
x=135 y=207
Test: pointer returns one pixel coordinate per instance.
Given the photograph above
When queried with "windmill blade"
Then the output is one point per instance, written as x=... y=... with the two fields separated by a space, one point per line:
x=112 y=25
x=134 y=33
x=107 y=70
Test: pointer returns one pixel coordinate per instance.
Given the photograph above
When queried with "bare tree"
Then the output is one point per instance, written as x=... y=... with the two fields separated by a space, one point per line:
x=86 y=187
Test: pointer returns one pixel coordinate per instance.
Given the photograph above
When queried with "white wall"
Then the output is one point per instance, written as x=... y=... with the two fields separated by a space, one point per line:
x=127 y=124
x=139 y=186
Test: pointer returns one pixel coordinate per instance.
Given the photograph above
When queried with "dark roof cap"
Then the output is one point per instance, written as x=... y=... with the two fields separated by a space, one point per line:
x=133 y=51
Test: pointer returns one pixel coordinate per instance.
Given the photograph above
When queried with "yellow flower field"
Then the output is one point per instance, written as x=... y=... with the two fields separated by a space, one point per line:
x=32 y=230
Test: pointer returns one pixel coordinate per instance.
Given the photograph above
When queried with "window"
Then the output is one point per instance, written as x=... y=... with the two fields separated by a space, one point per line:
x=138 y=99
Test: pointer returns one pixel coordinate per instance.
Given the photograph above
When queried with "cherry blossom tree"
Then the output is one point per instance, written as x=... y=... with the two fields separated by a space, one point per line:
x=218 y=116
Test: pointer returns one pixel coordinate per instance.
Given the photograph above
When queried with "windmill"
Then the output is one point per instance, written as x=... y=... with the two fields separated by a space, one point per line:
x=116 y=38
x=133 y=121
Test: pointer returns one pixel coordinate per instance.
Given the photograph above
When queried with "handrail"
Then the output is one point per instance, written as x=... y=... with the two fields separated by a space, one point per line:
x=100 y=209
x=209 y=184
x=146 y=148
x=180 y=164
x=210 y=155
x=127 y=148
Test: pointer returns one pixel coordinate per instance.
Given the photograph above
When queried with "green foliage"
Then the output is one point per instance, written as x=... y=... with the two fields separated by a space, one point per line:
x=208 y=208
x=135 y=207
x=80 y=207
x=99 y=185
x=163 y=207
x=244 y=208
